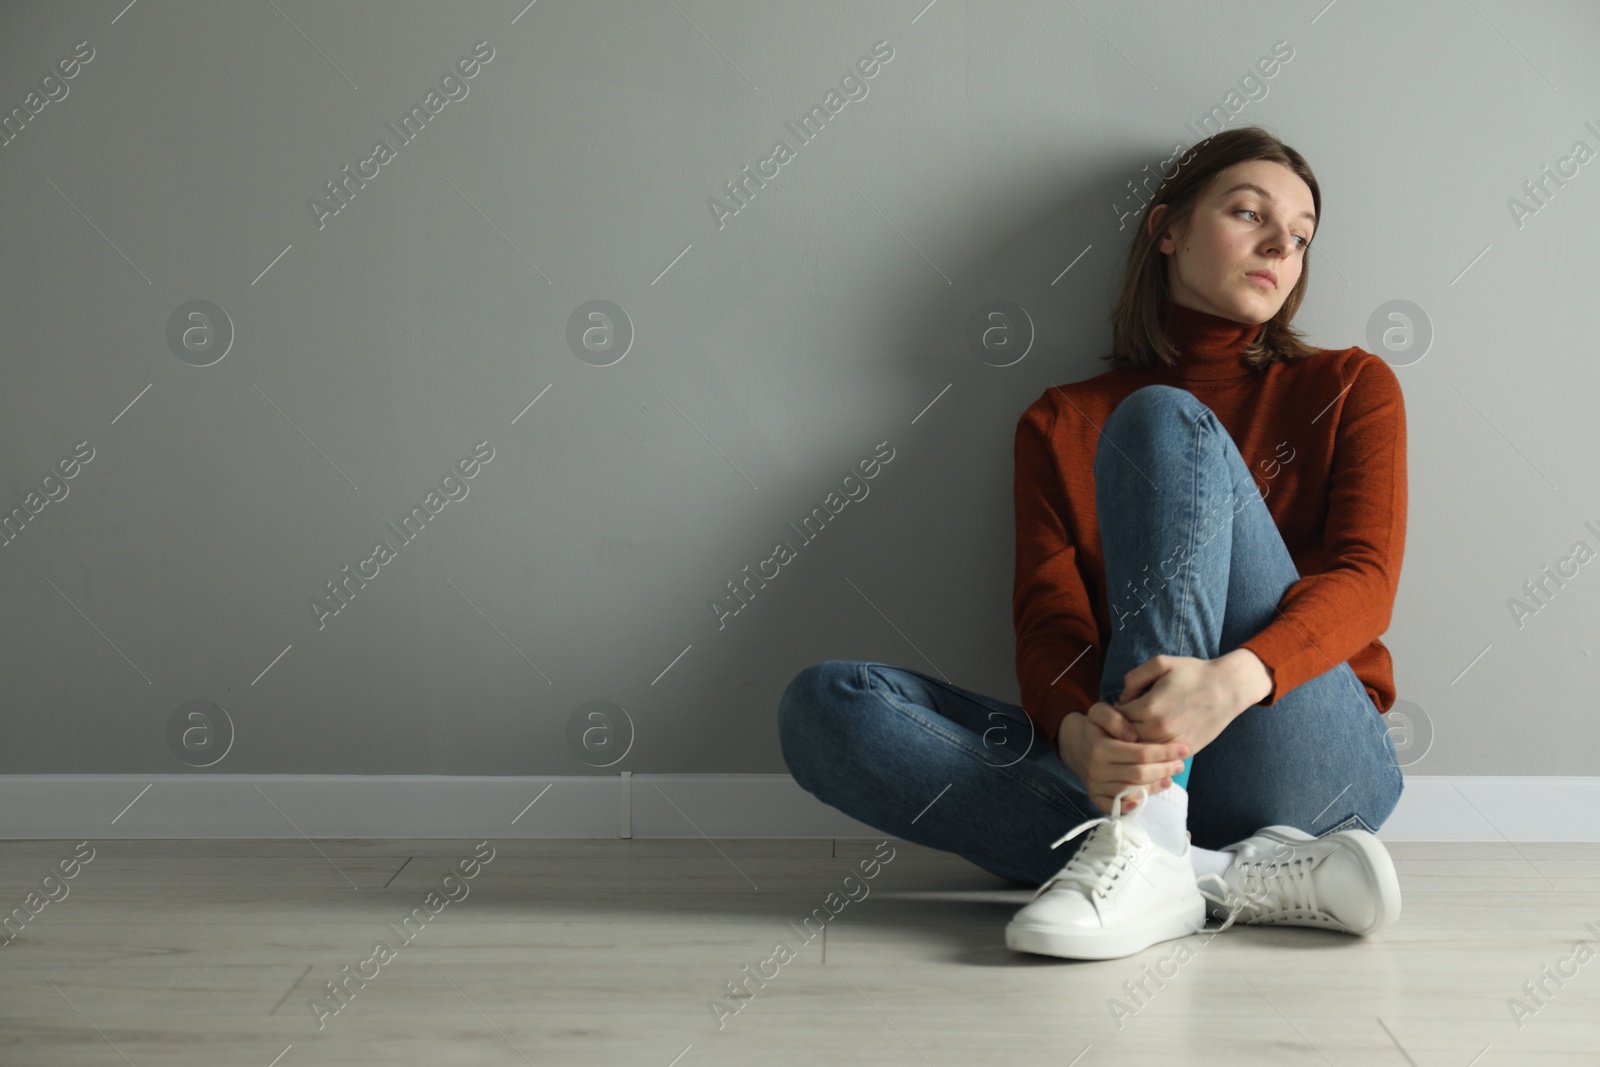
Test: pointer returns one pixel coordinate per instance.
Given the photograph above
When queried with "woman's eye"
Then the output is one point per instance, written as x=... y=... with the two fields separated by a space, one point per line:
x=1297 y=237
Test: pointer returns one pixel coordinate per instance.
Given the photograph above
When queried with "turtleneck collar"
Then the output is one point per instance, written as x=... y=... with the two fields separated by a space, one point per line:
x=1210 y=346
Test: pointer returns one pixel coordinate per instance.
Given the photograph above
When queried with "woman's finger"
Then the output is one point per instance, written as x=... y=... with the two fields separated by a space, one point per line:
x=1129 y=752
x=1112 y=722
x=1153 y=776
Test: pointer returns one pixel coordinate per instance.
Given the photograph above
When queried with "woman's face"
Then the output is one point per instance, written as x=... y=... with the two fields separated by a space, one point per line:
x=1234 y=230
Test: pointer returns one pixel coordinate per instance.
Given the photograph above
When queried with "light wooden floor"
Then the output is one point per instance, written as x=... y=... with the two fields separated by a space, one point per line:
x=191 y=953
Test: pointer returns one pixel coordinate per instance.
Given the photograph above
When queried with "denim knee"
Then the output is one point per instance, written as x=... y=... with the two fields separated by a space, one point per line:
x=811 y=705
x=1144 y=410
x=1156 y=404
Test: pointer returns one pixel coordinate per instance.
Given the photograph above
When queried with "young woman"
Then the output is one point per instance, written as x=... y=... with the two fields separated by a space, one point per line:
x=1208 y=543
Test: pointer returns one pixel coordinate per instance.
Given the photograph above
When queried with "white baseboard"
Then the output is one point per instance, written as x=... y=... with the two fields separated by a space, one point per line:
x=113 y=806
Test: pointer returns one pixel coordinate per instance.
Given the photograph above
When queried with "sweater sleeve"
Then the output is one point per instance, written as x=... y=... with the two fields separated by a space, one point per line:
x=1325 y=618
x=1058 y=658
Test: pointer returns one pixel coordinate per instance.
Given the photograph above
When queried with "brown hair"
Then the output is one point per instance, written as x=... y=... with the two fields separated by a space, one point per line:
x=1139 y=338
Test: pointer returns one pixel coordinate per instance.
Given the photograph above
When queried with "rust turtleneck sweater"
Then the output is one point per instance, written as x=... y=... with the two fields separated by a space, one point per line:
x=1324 y=438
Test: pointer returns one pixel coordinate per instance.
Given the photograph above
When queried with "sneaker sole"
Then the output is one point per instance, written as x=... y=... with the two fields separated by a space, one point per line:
x=1108 y=945
x=1376 y=859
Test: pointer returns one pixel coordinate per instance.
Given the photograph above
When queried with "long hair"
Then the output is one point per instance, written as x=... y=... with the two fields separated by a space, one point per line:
x=1139 y=337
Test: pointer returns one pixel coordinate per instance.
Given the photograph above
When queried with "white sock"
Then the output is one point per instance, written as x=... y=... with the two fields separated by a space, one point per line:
x=1205 y=861
x=1165 y=817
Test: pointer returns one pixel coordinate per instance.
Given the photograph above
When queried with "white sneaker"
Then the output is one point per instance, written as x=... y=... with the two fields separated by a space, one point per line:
x=1120 y=892
x=1282 y=875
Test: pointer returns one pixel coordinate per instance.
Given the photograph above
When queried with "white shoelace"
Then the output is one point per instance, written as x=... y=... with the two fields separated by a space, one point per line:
x=1274 y=891
x=1102 y=857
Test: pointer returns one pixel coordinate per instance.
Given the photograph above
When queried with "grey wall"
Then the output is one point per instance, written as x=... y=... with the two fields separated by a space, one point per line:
x=367 y=355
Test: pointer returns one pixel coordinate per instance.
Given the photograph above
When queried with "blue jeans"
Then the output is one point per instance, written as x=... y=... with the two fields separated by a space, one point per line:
x=938 y=765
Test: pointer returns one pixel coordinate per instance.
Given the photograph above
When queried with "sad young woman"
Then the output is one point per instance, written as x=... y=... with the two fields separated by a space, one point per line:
x=1208 y=543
